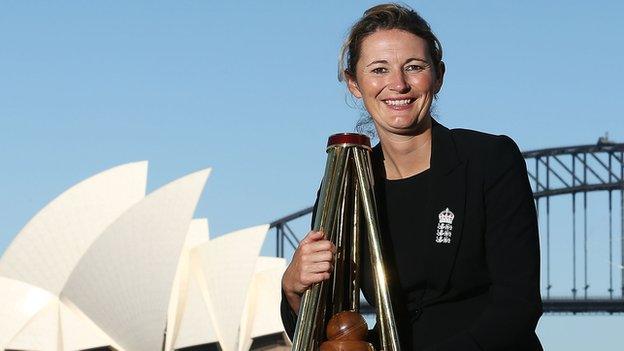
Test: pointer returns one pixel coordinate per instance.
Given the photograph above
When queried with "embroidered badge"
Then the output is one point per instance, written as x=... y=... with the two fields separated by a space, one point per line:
x=445 y=227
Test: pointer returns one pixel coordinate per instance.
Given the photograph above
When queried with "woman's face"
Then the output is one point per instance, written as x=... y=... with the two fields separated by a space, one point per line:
x=395 y=78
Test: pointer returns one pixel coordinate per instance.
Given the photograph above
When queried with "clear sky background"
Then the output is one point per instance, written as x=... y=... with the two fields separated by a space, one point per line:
x=249 y=88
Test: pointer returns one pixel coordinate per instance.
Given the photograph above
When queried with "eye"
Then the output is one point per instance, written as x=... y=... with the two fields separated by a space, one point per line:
x=415 y=68
x=379 y=70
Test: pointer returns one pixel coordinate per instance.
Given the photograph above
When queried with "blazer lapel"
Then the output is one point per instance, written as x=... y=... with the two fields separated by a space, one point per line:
x=447 y=191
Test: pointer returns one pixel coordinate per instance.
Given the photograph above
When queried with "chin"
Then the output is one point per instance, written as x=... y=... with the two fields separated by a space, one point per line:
x=407 y=123
x=414 y=127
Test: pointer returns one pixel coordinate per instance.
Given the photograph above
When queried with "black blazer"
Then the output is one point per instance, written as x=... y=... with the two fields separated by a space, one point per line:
x=483 y=286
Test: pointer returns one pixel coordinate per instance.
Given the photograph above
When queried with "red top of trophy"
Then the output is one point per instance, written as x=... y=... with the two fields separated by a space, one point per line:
x=349 y=138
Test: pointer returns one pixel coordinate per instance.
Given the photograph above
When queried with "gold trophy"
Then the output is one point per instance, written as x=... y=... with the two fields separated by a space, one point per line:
x=329 y=317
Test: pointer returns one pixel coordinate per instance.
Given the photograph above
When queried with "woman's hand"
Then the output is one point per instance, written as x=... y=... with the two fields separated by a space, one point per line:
x=312 y=263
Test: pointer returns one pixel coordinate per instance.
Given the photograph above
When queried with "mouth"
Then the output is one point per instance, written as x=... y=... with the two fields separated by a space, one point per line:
x=399 y=103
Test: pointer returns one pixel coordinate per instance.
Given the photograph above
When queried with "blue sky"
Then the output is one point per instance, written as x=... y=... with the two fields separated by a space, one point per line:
x=249 y=88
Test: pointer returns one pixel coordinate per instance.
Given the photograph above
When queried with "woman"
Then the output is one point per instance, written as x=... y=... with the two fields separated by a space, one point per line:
x=456 y=209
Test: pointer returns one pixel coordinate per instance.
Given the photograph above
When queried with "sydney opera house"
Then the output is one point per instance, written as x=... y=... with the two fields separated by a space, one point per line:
x=105 y=267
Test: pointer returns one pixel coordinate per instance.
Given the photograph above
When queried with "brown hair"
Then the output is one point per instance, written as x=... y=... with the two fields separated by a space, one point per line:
x=386 y=16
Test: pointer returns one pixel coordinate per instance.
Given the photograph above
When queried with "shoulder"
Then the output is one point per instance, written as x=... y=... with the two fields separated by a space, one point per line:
x=472 y=144
x=470 y=141
x=496 y=159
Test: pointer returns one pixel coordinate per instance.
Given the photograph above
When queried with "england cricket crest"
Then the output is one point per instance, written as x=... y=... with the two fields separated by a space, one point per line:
x=445 y=227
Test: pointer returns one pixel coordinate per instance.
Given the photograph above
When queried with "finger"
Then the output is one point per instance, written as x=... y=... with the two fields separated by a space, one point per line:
x=320 y=267
x=320 y=245
x=311 y=237
x=318 y=277
x=322 y=276
x=320 y=256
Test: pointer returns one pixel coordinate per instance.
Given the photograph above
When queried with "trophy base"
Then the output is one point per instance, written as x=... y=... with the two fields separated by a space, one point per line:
x=346 y=345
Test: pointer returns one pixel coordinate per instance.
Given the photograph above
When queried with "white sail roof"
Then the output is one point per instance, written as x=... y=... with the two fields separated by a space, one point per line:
x=42 y=332
x=20 y=302
x=104 y=265
x=226 y=265
x=47 y=249
x=78 y=332
x=124 y=280
x=262 y=316
x=197 y=323
x=197 y=234
x=268 y=295
x=60 y=327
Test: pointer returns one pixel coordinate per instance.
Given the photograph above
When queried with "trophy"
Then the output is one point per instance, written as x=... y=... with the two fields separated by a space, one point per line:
x=329 y=317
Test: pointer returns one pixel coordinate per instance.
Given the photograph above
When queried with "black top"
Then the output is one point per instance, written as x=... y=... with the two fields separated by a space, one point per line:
x=403 y=210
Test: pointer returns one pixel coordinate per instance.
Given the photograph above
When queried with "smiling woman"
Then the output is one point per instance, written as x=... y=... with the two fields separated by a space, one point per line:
x=456 y=211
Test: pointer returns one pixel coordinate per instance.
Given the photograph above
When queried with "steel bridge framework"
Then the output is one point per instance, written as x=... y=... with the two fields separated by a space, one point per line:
x=569 y=174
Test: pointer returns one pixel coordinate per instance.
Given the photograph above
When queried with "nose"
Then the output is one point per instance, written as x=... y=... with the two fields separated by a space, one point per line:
x=398 y=83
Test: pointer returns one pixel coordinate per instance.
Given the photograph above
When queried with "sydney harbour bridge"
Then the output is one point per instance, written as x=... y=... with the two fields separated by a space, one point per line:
x=579 y=196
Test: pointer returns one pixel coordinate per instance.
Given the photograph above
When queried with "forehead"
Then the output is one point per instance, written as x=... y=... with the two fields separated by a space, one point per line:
x=392 y=44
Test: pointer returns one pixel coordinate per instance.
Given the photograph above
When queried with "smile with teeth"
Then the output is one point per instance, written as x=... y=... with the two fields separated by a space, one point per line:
x=402 y=102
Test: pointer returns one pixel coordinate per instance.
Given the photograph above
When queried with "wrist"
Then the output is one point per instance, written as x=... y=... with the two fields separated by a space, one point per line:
x=288 y=288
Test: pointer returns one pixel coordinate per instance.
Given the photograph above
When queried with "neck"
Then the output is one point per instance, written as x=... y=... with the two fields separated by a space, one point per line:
x=407 y=155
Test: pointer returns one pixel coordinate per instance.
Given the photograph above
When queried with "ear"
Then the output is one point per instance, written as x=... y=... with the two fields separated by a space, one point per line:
x=440 y=76
x=353 y=86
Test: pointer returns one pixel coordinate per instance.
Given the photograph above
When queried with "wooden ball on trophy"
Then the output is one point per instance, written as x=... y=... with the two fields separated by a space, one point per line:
x=346 y=331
